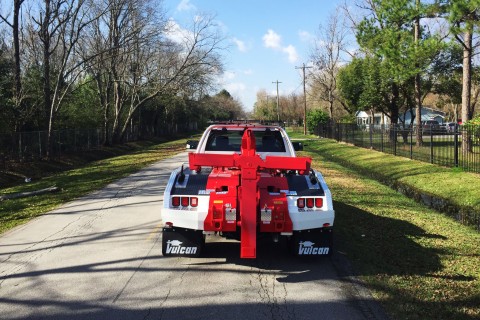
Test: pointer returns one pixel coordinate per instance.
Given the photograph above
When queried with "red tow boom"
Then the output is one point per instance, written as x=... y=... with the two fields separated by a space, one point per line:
x=250 y=165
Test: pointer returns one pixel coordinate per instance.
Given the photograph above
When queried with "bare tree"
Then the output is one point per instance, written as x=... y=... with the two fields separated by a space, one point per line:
x=54 y=32
x=327 y=59
x=138 y=59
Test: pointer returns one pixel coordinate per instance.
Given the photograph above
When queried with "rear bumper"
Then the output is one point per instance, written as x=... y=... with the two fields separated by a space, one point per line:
x=312 y=242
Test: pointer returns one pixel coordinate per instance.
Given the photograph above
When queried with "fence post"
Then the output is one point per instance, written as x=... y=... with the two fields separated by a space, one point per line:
x=382 y=131
x=455 y=146
x=411 y=142
x=394 y=138
x=370 y=129
x=431 y=144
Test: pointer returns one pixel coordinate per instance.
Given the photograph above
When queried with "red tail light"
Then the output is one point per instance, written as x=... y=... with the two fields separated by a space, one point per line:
x=185 y=201
x=301 y=203
x=309 y=202
x=176 y=201
x=318 y=202
x=194 y=202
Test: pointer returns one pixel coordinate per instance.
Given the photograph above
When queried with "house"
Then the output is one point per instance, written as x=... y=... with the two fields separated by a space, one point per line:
x=427 y=114
x=379 y=118
x=366 y=118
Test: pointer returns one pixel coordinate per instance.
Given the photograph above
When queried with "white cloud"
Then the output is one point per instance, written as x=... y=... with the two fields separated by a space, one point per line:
x=292 y=53
x=228 y=75
x=185 y=5
x=306 y=36
x=176 y=33
x=248 y=72
x=235 y=88
x=271 y=39
x=240 y=45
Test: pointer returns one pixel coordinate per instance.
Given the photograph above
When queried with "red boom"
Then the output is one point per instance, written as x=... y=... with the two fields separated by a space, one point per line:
x=250 y=164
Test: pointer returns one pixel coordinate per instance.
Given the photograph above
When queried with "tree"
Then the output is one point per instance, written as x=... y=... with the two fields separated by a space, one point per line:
x=464 y=16
x=6 y=97
x=17 y=89
x=327 y=58
x=223 y=106
x=140 y=55
x=387 y=33
x=59 y=24
x=447 y=77
x=362 y=85
x=316 y=117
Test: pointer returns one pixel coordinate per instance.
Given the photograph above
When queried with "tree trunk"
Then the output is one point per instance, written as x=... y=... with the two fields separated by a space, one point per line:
x=47 y=94
x=16 y=45
x=418 y=92
x=466 y=89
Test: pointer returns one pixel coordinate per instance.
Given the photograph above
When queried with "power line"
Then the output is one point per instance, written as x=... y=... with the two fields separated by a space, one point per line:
x=304 y=99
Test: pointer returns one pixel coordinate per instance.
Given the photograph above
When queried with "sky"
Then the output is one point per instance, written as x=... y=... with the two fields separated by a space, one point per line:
x=267 y=41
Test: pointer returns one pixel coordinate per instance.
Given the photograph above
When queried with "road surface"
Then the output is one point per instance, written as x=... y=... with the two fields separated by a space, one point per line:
x=100 y=258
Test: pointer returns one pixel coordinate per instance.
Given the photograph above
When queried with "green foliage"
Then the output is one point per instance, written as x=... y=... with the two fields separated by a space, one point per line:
x=447 y=73
x=82 y=108
x=222 y=106
x=6 y=85
x=463 y=14
x=315 y=117
x=362 y=84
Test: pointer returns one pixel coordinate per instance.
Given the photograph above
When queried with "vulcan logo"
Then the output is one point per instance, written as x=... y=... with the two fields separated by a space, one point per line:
x=307 y=248
x=175 y=247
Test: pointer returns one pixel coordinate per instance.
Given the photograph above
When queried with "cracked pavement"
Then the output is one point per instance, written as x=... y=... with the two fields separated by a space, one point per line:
x=99 y=257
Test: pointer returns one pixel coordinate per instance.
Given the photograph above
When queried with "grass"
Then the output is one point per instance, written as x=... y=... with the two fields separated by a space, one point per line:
x=419 y=263
x=81 y=180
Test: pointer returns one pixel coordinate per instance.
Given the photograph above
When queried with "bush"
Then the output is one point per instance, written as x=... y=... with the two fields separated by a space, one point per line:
x=314 y=118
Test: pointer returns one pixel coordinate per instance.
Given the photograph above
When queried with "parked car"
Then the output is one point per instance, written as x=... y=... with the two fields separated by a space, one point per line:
x=431 y=126
x=450 y=127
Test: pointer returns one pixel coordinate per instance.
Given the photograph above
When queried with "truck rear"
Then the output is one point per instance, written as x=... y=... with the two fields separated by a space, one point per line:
x=242 y=181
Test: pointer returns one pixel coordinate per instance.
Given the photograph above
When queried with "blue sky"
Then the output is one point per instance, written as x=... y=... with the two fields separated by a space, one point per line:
x=267 y=40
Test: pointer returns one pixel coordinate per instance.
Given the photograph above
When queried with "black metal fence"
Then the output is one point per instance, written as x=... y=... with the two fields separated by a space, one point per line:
x=27 y=146
x=442 y=146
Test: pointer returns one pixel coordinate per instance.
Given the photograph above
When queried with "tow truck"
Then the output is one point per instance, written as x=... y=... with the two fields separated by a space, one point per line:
x=241 y=181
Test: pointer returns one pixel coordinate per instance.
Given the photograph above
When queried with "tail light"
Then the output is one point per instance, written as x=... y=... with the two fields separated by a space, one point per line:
x=176 y=201
x=301 y=203
x=194 y=202
x=184 y=201
x=310 y=203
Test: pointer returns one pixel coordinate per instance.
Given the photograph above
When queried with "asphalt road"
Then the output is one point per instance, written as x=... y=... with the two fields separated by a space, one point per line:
x=100 y=258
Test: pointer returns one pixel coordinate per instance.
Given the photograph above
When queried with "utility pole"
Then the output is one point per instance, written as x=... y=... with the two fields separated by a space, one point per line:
x=304 y=99
x=278 y=113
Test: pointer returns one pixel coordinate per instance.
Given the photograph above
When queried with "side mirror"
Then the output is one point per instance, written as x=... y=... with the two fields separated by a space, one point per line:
x=297 y=146
x=192 y=144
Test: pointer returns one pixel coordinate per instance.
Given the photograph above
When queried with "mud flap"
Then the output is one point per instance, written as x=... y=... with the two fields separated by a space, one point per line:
x=179 y=242
x=313 y=242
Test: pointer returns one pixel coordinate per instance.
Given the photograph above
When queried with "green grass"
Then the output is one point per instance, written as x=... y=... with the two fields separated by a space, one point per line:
x=77 y=182
x=419 y=263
